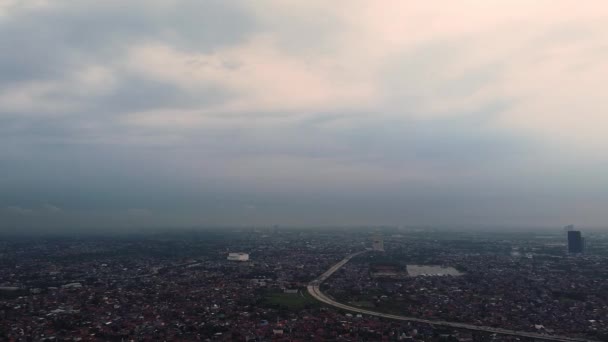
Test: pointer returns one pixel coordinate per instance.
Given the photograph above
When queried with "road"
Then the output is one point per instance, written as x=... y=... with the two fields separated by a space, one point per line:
x=313 y=289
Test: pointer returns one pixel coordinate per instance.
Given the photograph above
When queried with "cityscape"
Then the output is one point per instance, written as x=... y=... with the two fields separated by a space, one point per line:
x=288 y=284
x=303 y=170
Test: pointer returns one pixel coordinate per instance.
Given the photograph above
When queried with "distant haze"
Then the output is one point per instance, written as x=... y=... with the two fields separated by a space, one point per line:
x=150 y=113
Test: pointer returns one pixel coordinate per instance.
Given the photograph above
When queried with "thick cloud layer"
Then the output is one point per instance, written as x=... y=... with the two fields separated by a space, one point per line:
x=181 y=113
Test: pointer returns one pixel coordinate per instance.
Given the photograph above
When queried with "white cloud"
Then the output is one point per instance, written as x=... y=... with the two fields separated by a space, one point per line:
x=262 y=77
x=58 y=97
x=9 y=6
x=420 y=60
x=312 y=95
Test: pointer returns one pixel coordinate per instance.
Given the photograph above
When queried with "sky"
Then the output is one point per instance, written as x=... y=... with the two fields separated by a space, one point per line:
x=172 y=113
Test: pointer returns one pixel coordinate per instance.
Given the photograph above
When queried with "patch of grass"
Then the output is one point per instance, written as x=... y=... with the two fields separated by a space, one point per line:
x=299 y=301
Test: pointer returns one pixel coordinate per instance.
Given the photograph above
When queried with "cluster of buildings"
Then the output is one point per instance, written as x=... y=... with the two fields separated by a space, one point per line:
x=249 y=285
x=179 y=289
x=536 y=291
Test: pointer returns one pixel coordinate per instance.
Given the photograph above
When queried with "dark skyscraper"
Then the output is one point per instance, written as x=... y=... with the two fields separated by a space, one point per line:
x=575 y=242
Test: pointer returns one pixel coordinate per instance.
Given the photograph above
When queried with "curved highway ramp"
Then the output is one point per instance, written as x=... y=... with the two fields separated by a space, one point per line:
x=314 y=290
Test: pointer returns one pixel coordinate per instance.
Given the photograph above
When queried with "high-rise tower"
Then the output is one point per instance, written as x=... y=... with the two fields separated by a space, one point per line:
x=576 y=243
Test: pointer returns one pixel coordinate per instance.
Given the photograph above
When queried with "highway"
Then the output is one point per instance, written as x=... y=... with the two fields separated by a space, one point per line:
x=313 y=289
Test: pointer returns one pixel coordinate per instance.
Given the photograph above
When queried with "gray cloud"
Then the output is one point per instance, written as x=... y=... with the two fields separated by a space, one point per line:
x=16 y=210
x=220 y=112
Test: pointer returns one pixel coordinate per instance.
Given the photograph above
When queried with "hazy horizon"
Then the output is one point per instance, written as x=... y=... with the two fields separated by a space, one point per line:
x=302 y=113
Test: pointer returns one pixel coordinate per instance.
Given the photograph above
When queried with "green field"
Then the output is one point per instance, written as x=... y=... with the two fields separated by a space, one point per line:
x=290 y=301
